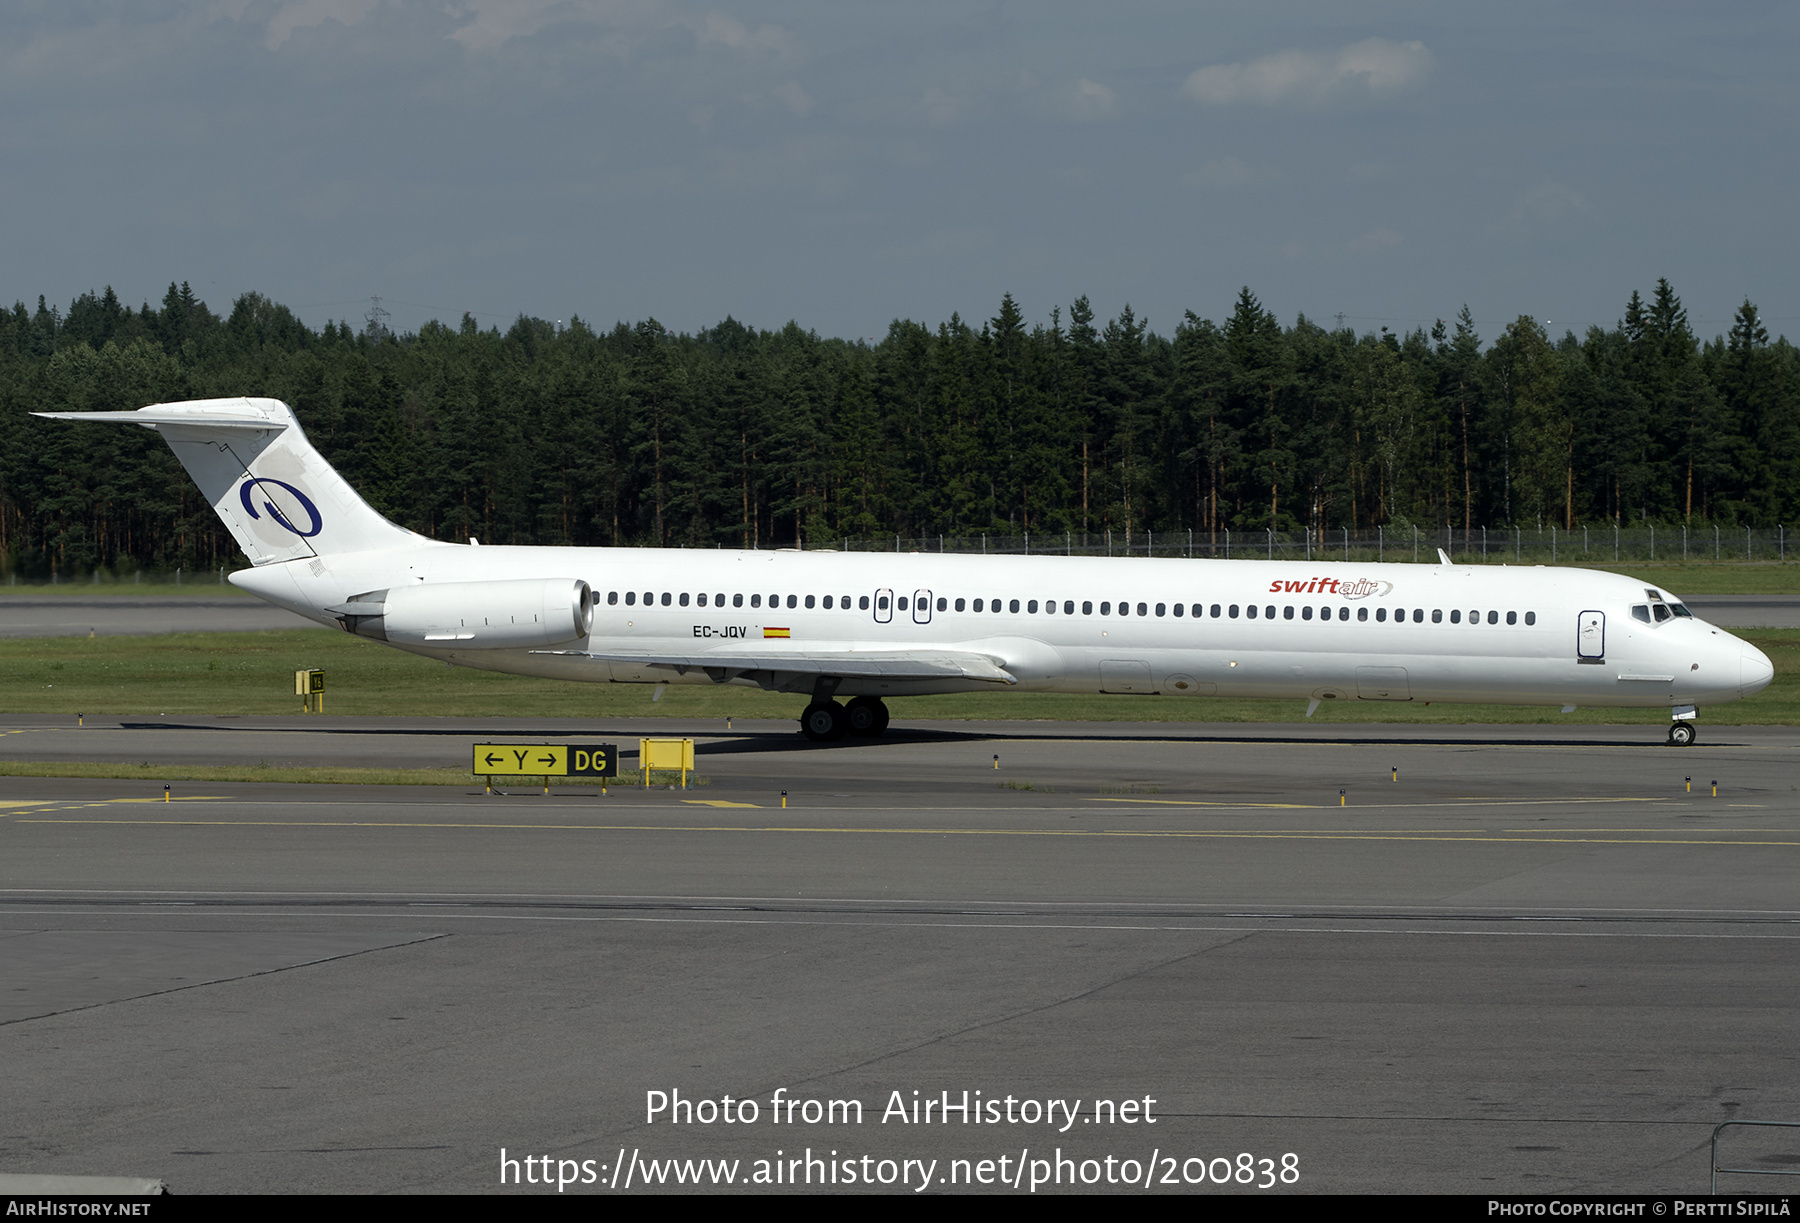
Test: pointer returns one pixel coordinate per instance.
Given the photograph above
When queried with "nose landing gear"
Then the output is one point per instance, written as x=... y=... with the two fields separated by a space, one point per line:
x=1682 y=734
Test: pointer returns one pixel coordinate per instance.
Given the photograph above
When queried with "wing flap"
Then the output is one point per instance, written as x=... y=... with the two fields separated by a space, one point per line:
x=894 y=665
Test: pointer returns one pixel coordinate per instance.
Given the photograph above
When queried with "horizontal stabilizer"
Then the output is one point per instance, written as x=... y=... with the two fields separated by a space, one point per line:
x=163 y=415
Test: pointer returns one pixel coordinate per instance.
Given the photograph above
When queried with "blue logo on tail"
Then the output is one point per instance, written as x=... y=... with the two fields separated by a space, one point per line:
x=317 y=523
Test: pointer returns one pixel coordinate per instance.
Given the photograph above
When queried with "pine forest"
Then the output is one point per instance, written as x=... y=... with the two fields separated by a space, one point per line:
x=1073 y=427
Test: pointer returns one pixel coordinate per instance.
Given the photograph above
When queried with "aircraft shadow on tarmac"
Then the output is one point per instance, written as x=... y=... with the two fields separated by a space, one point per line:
x=752 y=742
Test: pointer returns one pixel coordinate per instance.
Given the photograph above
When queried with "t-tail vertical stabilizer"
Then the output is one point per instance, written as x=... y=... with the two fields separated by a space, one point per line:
x=281 y=500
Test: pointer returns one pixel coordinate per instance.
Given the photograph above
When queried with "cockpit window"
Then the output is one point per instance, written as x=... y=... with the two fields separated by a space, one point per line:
x=1680 y=609
x=1662 y=612
x=1641 y=612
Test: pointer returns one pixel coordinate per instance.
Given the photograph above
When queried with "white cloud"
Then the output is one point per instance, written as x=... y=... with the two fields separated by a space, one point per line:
x=1548 y=203
x=790 y=95
x=1094 y=100
x=1371 y=68
x=940 y=107
x=1377 y=239
x=1221 y=172
x=302 y=14
x=728 y=31
x=489 y=23
x=493 y=22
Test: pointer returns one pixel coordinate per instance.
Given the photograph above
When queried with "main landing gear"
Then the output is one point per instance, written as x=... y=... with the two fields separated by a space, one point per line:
x=864 y=718
x=1682 y=734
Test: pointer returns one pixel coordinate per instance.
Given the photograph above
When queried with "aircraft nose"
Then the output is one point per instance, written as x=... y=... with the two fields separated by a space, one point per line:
x=1754 y=669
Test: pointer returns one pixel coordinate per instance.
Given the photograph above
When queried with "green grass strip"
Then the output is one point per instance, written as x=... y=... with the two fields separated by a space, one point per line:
x=219 y=674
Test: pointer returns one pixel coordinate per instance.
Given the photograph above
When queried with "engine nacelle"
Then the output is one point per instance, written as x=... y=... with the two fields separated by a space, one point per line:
x=510 y=615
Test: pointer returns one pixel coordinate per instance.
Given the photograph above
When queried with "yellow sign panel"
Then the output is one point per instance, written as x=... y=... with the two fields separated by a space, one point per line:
x=666 y=754
x=525 y=759
x=546 y=760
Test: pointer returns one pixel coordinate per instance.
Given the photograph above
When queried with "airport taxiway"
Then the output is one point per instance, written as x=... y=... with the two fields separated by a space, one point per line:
x=1536 y=962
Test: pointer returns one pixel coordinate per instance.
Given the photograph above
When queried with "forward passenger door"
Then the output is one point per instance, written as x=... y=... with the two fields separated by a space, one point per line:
x=1590 y=637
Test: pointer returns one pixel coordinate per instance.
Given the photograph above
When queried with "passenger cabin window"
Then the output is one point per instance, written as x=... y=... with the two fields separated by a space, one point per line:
x=737 y=600
x=1087 y=607
x=1531 y=617
x=684 y=599
x=755 y=600
x=612 y=598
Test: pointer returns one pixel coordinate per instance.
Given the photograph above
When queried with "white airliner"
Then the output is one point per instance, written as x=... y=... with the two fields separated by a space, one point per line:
x=872 y=625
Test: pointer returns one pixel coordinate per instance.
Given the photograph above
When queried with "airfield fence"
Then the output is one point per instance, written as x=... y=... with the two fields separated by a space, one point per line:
x=1477 y=546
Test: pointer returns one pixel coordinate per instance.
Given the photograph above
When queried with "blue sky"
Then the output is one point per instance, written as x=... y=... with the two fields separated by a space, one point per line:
x=845 y=165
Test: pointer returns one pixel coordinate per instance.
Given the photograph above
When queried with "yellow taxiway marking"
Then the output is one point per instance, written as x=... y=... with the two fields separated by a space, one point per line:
x=941 y=832
x=1453 y=803
x=1662 y=830
x=47 y=805
x=717 y=802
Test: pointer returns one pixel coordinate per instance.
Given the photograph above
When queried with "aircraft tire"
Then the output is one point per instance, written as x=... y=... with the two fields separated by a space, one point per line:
x=823 y=721
x=866 y=717
x=1682 y=734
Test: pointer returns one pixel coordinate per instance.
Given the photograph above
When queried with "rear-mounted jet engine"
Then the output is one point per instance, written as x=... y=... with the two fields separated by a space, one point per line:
x=519 y=615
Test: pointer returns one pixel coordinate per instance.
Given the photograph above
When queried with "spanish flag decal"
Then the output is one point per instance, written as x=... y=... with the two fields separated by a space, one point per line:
x=776 y=632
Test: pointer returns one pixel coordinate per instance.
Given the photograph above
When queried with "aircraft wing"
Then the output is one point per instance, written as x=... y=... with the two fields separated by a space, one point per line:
x=845 y=664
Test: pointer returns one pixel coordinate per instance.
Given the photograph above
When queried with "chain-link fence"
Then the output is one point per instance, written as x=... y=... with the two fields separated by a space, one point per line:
x=1481 y=545
x=215 y=577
